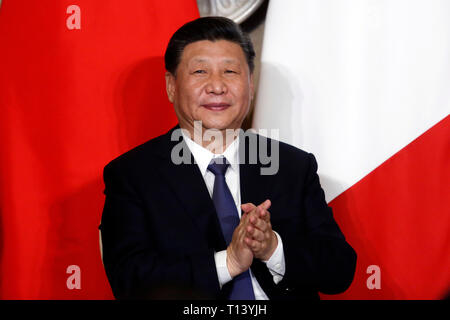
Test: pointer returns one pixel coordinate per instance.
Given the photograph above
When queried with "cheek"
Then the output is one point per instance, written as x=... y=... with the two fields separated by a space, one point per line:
x=243 y=94
x=188 y=96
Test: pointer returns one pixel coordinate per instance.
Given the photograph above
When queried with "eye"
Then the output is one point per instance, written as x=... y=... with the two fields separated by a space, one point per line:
x=230 y=71
x=200 y=71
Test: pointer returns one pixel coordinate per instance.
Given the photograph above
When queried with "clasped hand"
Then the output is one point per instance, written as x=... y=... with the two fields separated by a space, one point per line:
x=252 y=238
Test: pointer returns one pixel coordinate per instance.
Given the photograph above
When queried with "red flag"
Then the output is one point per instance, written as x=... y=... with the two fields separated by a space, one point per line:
x=80 y=83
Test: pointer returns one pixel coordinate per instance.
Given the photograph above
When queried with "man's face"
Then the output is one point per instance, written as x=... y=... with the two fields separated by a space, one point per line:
x=212 y=84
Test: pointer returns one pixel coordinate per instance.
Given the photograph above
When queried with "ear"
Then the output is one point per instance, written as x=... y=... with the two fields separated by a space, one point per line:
x=252 y=87
x=170 y=86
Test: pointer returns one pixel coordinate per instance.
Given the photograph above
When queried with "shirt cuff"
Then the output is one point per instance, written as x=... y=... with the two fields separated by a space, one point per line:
x=276 y=263
x=221 y=267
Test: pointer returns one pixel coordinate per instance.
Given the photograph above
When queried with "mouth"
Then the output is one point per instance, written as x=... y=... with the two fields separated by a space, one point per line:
x=220 y=106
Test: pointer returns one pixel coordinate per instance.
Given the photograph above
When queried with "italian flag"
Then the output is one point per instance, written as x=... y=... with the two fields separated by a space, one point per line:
x=365 y=86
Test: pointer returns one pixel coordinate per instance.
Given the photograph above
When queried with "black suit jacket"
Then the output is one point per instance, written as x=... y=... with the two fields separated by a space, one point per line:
x=160 y=229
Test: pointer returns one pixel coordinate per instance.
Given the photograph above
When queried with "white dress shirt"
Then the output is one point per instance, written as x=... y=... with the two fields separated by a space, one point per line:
x=203 y=157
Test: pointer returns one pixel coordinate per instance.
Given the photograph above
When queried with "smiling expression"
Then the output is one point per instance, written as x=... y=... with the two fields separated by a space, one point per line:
x=212 y=84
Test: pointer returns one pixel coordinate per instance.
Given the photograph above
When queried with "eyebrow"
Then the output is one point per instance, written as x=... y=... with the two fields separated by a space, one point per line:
x=232 y=61
x=201 y=60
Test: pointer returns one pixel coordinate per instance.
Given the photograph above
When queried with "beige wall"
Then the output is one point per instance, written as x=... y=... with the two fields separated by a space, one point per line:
x=254 y=26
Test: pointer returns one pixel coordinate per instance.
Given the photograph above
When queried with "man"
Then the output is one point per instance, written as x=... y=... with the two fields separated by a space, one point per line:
x=171 y=229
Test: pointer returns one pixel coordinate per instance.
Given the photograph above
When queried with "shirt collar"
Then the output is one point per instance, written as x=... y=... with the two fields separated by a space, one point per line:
x=203 y=156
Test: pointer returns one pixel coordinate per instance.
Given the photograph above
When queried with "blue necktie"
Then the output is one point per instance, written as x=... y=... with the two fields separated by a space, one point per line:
x=242 y=288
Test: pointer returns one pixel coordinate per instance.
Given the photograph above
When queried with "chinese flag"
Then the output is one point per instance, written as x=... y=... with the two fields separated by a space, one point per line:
x=80 y=83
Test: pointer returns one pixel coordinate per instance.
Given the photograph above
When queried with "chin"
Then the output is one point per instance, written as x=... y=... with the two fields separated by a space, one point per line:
x=218 y=125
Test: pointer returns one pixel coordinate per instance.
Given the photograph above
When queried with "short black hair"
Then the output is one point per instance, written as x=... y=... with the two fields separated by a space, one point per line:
x=207 y=28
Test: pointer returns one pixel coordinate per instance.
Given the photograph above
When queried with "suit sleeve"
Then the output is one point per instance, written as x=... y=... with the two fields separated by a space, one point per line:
x=133 y=265
x=318 y=256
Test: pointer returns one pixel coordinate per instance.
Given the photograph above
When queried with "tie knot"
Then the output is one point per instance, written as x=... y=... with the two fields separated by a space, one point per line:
x=218 y=166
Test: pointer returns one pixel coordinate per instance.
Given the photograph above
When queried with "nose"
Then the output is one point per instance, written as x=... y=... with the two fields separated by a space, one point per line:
x=216 y=85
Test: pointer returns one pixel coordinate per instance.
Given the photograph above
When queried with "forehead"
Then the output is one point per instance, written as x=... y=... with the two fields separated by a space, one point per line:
x=205 y=50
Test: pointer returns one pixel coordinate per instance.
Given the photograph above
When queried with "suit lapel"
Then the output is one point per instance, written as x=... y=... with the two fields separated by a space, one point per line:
x=189 y=187
x=254 y=186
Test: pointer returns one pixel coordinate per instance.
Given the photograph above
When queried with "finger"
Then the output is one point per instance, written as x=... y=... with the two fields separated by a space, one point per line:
x=252 y=244
x=247 y=207
x=253 y=215
x=260 y=224
x=264 y=207
x=257 y=234
x=265 y=215
x=245 y=217
x=266 y=204
x=260 y=218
